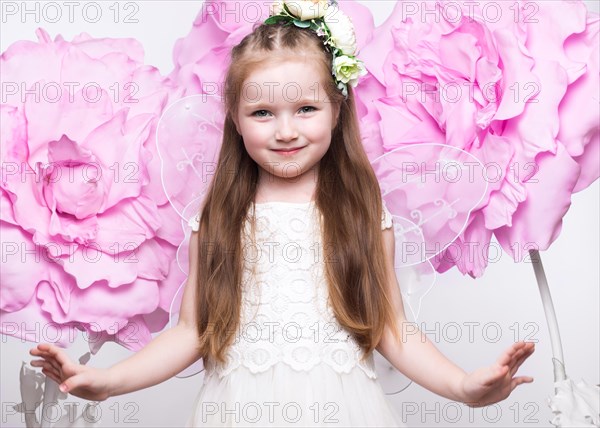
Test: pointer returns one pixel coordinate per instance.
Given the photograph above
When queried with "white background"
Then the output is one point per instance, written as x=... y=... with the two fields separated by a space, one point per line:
x=506 y=295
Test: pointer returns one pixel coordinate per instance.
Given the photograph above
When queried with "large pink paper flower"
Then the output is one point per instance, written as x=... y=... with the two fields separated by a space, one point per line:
x=88 y=236
x=517 y=87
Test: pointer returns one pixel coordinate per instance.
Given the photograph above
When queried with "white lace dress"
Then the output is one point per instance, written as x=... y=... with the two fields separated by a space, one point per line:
x=292 y=364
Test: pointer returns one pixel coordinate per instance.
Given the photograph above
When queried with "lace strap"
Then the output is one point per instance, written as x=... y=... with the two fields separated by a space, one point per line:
x=386 y=217
x=194 y=222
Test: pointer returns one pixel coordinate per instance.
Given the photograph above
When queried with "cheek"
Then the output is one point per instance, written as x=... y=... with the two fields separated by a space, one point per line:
x=251 y=146
x=319 y=134
x=254 y=136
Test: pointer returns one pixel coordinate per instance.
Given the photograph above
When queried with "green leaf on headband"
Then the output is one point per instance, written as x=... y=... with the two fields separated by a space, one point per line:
x=301 y=24
x=275 y=19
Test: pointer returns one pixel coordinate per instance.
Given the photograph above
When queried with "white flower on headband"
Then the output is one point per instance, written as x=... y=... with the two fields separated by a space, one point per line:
x=276 y=8
x=342 y=30
x=335 y=29
x=305 y=10
x=348 y=69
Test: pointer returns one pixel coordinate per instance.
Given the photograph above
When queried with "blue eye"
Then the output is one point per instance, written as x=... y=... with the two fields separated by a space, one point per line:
x=259 y=111
x=264 y=113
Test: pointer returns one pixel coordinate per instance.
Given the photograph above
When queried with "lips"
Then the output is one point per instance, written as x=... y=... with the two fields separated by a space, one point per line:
x=288 y=150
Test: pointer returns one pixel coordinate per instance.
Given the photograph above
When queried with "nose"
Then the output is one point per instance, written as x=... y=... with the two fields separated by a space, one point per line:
x=286 y=129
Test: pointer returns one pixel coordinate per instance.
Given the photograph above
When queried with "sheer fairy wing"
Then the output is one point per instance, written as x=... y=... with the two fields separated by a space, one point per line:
x=188 y=138
x=430 y=189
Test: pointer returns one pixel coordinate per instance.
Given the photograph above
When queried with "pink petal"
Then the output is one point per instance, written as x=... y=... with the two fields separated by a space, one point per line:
x=403 y=123
x=103 y=73
x=24 y=265
x=6 y=211
x=13 y=140
x=588 y=161
x=24 y=63
x=519 y=82
x=130 y=223
x=33 y=325
x=171 y=229
x=187 y=50
x=123 y=174
x=75 y=118
x=133 y=336
x=170 y=285
x=103 y=308
x=100 y=47
x=578 y=111
x=27 y=185
x=362 y=20
x=469 y=252
x=538 y=220
x=117 y=262
x=537 y=127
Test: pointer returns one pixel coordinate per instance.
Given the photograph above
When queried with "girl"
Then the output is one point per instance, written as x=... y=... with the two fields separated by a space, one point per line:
x=292 y=283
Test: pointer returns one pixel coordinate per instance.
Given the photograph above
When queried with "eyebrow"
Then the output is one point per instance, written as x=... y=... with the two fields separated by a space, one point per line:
x=261 y=103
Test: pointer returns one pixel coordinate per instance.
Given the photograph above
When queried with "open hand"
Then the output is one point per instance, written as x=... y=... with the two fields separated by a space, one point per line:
x=489 y=385
x=80 y=380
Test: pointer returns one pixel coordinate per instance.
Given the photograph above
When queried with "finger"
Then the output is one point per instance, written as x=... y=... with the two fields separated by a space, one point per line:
x=59 y=359
x=49 y=360
x=39 y=350
x=520 y=361
x=521 y=354
x=37 y=363
x=51 y=375
x=514 y=352
x=519 y=380
x=45 y=349
x=45 y=345
x=44 y=365
x=58 y=354
x=56 y=366
x=514 y=358
x=73 y=382
x=506 y=357
x=49 y=369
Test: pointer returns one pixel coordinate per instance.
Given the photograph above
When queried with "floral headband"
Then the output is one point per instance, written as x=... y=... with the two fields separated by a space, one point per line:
x=333 y=26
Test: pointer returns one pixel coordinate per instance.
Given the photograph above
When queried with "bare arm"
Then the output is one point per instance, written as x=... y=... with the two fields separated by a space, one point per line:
x=415 y=356
x=165 y=356
x=170 y=352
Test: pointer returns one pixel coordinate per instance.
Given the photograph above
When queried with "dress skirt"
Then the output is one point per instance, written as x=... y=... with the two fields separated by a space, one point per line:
x=282 y=396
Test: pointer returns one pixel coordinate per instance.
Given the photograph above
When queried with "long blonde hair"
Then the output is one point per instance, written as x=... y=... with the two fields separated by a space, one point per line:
x=347 y=195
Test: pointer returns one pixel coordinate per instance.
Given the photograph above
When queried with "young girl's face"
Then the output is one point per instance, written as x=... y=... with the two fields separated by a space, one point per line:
x=285 y=119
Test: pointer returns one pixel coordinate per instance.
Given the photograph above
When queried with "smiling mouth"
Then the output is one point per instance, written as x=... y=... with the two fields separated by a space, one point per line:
x=294 y=150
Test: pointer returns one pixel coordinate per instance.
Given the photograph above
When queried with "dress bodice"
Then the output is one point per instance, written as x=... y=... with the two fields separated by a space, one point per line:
x=285 y=314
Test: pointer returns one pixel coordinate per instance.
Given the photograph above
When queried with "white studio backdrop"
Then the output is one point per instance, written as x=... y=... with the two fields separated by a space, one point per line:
x=470 y=321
